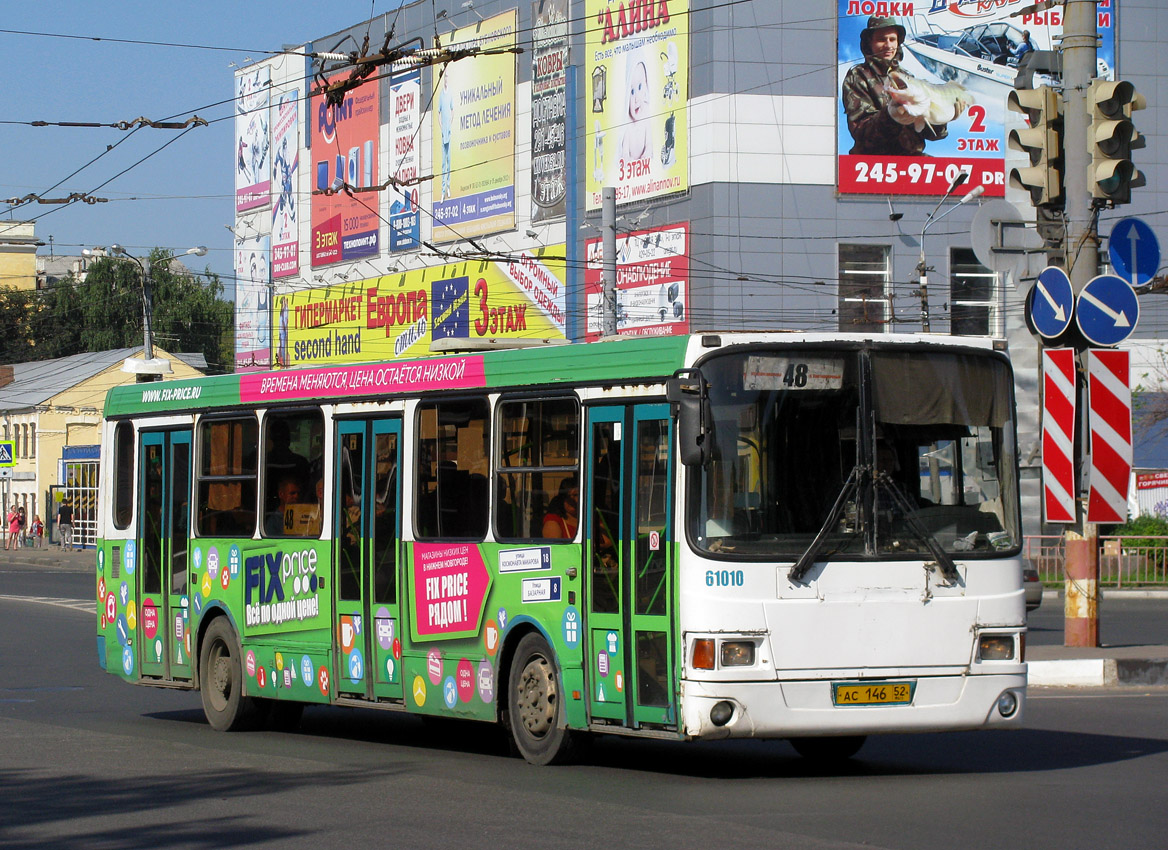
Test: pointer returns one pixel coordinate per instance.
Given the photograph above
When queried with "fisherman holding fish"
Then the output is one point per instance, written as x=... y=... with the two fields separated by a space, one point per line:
x=890 y=112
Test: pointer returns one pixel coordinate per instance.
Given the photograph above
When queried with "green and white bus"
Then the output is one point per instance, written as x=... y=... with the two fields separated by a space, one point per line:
x=773 y=535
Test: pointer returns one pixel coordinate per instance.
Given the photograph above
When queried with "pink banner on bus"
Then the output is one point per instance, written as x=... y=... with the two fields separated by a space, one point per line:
x=450 y=586
x=373 y=379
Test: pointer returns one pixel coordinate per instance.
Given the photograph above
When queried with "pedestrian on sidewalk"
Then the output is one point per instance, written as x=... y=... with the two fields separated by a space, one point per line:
x=23 y=520
x=13 y=520
x=65 y=523
x=38 y=531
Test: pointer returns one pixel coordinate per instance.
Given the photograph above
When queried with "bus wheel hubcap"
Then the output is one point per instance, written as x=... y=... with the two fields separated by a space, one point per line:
x=536 y=699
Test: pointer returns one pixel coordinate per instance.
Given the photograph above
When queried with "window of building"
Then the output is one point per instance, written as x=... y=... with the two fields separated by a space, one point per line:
x=865 y=278
x=123 y=474
x=227 y=477
x=538 y=473
x=972 y=296
x=32 y=438
x=293 y=467
x=24 y=436
x=453 y=464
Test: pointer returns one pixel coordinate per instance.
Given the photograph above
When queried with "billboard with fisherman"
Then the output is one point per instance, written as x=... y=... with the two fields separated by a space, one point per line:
x=922 y=97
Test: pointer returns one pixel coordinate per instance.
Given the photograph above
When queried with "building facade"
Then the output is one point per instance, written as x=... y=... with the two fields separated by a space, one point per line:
x=382 y=215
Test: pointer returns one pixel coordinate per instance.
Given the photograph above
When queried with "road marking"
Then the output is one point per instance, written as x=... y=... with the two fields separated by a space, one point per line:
x=86 y=606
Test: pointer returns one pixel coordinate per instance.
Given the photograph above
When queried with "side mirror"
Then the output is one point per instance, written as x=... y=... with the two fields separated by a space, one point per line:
x=688 y=392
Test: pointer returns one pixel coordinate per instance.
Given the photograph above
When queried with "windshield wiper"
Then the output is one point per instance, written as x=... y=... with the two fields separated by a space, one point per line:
x=807 y=559
x=945 y=564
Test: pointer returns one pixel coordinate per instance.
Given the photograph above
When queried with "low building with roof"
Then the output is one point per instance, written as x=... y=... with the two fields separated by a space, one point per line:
x=51 y=411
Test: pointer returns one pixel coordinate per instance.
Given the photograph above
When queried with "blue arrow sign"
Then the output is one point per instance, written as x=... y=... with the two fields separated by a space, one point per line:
x=1134 y=251
x=1051 y=302
x=1107 y=310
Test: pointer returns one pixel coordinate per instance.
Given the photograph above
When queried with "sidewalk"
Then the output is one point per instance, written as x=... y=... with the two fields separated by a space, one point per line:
x=53 y=557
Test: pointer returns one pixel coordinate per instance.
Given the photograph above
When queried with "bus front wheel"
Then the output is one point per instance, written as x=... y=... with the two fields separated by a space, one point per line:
x=221 y=680
x=535 y=710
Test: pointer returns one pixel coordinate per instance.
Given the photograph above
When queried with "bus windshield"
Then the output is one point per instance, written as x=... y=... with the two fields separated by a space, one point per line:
x=878 y=453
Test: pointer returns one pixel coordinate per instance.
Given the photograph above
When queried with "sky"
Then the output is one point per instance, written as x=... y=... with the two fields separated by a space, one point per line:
x=183 y=195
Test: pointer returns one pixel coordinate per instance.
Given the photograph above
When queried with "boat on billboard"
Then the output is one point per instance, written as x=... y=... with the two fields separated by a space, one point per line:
x=922 y=96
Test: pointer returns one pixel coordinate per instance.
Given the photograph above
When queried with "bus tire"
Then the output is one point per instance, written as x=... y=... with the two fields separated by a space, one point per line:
x=535 y=705
x=828 y=750
x=221 y=680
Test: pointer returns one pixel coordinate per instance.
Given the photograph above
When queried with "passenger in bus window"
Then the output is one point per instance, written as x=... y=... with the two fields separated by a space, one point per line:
x=278 y=521
x=281 y=461
x=563 y=514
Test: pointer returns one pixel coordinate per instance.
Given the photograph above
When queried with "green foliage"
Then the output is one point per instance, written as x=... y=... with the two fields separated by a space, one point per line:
x=1133 y=529
x=105 y=312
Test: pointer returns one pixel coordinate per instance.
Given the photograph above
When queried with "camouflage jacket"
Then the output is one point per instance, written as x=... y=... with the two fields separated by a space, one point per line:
x=872 y=128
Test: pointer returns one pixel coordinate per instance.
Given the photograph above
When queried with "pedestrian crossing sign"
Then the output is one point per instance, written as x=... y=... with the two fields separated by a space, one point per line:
x=7 y=453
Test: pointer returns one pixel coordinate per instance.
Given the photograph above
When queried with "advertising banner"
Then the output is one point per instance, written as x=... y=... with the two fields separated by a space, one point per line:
x=924 y=98
x=405 y=94
x=473 y=153
x=252 y=319
x=549 y=109
x=652 y=282
x=401 y=315
x=252 y=171
x=637 y=61
x=344 y=139
x=285 y=163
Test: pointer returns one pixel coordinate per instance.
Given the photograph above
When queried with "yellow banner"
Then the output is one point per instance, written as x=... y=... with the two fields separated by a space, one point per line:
x=638 y=75
x=402 y=315
x=473 y=151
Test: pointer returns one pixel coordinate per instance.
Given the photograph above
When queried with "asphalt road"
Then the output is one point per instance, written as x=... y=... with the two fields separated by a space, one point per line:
x=86 y=760
x=1123 y=621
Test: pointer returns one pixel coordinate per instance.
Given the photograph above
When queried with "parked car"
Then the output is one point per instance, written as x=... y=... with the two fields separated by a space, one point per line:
x=1032 y=586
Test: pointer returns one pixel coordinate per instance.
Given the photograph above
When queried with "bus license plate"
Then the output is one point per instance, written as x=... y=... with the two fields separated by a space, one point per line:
x=872 y=693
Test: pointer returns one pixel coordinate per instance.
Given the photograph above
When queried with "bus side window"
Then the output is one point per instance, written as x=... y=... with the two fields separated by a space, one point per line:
x=453 y=461
x=227 y=477
x=537 y=472
x=293 y=465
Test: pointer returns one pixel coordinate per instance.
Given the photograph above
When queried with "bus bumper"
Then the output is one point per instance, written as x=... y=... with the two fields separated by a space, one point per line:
x=805 y=708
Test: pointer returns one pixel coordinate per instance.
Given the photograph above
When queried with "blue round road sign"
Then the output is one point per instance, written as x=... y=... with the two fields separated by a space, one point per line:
x=1107 y=311
x=1051 y=302
x=1134 y=251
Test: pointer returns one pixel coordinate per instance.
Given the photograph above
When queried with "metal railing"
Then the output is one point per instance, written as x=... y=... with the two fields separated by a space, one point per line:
x=1123 y=561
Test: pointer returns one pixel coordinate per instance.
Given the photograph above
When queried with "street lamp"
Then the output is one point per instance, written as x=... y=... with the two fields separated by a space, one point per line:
x=933 y=218
x=147 y=369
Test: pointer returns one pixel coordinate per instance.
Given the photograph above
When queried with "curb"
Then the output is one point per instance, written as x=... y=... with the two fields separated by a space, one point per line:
x=1098 y=672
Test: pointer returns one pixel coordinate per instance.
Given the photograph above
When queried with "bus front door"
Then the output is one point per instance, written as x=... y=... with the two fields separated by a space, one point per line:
x=630 y=659
x=367 y=511
x=162 y=579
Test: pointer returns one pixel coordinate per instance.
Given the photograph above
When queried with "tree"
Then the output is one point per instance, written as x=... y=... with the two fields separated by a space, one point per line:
x=105 y=311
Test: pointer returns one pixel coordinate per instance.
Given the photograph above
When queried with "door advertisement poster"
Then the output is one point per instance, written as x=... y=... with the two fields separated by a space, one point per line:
x=922 y=96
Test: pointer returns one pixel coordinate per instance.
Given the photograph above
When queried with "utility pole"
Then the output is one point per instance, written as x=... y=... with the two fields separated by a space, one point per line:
x=1080 y=37
x=608 y=273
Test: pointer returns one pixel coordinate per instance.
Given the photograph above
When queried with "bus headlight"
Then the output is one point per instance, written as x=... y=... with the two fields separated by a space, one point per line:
x=737 y=653
x=995 y=647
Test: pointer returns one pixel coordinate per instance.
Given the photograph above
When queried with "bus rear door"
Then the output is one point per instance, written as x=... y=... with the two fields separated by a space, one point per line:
x=163 y=575
x=630 y=661
x=367 y=531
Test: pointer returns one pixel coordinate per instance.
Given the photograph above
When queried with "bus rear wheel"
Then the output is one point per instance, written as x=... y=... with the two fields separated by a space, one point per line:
x=221 y=680
x=827 y=750
x=535 y=709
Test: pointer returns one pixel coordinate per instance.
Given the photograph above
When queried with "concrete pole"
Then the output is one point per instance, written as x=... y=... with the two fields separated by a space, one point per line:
x=1081 y=611
x=608 y=235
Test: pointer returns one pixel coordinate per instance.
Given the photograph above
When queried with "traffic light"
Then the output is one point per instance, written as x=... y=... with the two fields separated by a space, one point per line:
x=1111 y=139
x=1043 y=141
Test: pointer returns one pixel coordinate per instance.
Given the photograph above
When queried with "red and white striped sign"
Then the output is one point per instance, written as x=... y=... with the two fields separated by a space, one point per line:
x=1109 y=399
x=1058 y=429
